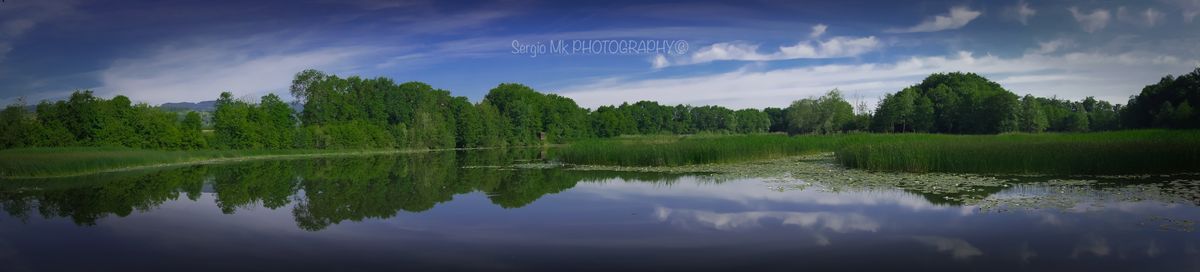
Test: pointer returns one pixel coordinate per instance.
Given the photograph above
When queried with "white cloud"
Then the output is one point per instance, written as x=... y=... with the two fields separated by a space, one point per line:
x=957 y=18
x=958 y=248
x=1148 y=18
x=659 y=61
x=817 y=31
x=1072 y=75
x=1051 y=46
x=756 y=194
x=1024 y=12
x=837 y=222
x=836 y=47
x=187 y=72
x=1091 y=22
x=1091 y=244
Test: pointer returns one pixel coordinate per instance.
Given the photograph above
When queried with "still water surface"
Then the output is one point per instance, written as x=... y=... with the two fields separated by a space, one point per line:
x=455 y=211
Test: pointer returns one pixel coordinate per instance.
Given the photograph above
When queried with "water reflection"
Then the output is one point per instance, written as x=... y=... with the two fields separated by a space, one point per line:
x=464 y=211
x=323 y=191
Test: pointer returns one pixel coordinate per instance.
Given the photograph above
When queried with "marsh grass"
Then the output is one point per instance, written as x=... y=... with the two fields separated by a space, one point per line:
x=1122 y=152
x=52 y=162
x=669 y=150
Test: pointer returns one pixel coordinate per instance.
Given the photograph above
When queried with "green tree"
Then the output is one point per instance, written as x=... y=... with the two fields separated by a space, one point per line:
x=1077 y=121
x=276 y=126
x=922 y=116
x=752 y=121
x=894 y=113
x=778 y=118
x=191 y=131
x=1155 y=105
x=232 y=123
x=1183 y=116
x=17 y=128
x=1031 y=118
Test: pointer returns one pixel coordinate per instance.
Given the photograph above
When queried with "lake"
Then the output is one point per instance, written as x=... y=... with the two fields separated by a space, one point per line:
x=467 y=210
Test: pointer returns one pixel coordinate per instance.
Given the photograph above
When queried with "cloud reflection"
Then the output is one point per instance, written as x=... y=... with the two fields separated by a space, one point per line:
x=958 y=248
x=742 y=220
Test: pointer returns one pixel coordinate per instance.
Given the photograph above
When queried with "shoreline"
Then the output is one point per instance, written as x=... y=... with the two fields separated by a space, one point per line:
x=234 y=159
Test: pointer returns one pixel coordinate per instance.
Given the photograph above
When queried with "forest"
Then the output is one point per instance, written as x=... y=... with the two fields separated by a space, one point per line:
x=354 y=112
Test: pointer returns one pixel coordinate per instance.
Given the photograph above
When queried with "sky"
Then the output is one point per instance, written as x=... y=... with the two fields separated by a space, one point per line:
x=739 y=54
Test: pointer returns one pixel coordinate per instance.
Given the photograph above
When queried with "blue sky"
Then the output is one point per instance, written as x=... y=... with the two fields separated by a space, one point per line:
x=739 y=53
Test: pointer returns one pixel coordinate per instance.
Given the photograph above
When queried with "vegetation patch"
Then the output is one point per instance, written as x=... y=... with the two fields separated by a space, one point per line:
x=1105 y=153
x=75 y=161
x=1122 y=152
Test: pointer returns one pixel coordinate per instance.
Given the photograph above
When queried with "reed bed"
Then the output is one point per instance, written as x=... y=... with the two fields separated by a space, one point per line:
x=1121 y=152
x=686 y=150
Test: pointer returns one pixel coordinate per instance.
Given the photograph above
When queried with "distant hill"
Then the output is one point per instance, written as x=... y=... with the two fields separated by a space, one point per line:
x=189 y=106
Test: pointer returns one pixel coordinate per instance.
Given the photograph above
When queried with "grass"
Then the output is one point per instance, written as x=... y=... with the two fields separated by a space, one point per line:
x=72 y=161
x=1122 y=152
x=670 y=150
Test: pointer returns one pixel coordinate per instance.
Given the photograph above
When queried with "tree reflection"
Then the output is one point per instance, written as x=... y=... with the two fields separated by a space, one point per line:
x=321 y=192
x=85 y=201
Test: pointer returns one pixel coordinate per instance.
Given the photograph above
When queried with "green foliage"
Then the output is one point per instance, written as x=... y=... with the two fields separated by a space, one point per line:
x=685 y=150
x=275 y=124
x=534 y=118
x=1158 y=104
x=1031 y=119
x=1124 y=152
x=351 y=135
x=609 y=121
x=778 y=119
x=752 y=121
x=949 y=103
x=55 y=161
x=16 y=127
x=827 y=114
x=318 y=192
x=713 y=119
x=379 y=113
x=86 y=120
x=191 y=130
x=232 y=123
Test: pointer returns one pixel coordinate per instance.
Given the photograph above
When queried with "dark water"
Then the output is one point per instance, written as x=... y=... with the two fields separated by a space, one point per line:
x=442 y=211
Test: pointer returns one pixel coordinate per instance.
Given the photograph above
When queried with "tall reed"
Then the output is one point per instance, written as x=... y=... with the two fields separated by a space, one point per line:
x=1121 y=152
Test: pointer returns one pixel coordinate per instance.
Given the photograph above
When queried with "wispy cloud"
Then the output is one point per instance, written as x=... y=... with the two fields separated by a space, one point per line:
x=1023 y=12
x=1188 y=8
x=1072 y=75
x=1051 y=46
x=1093 y=21
x=1147 y=18
x=958 y=17
x=837 y=222
x=17 y=18
x=247 y=67
x=958 y=248
x=835 y=47
x=817 y=31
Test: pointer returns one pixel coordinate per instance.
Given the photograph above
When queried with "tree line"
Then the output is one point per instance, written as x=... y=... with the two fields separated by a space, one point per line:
x=354 y=112
x=966 y=103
